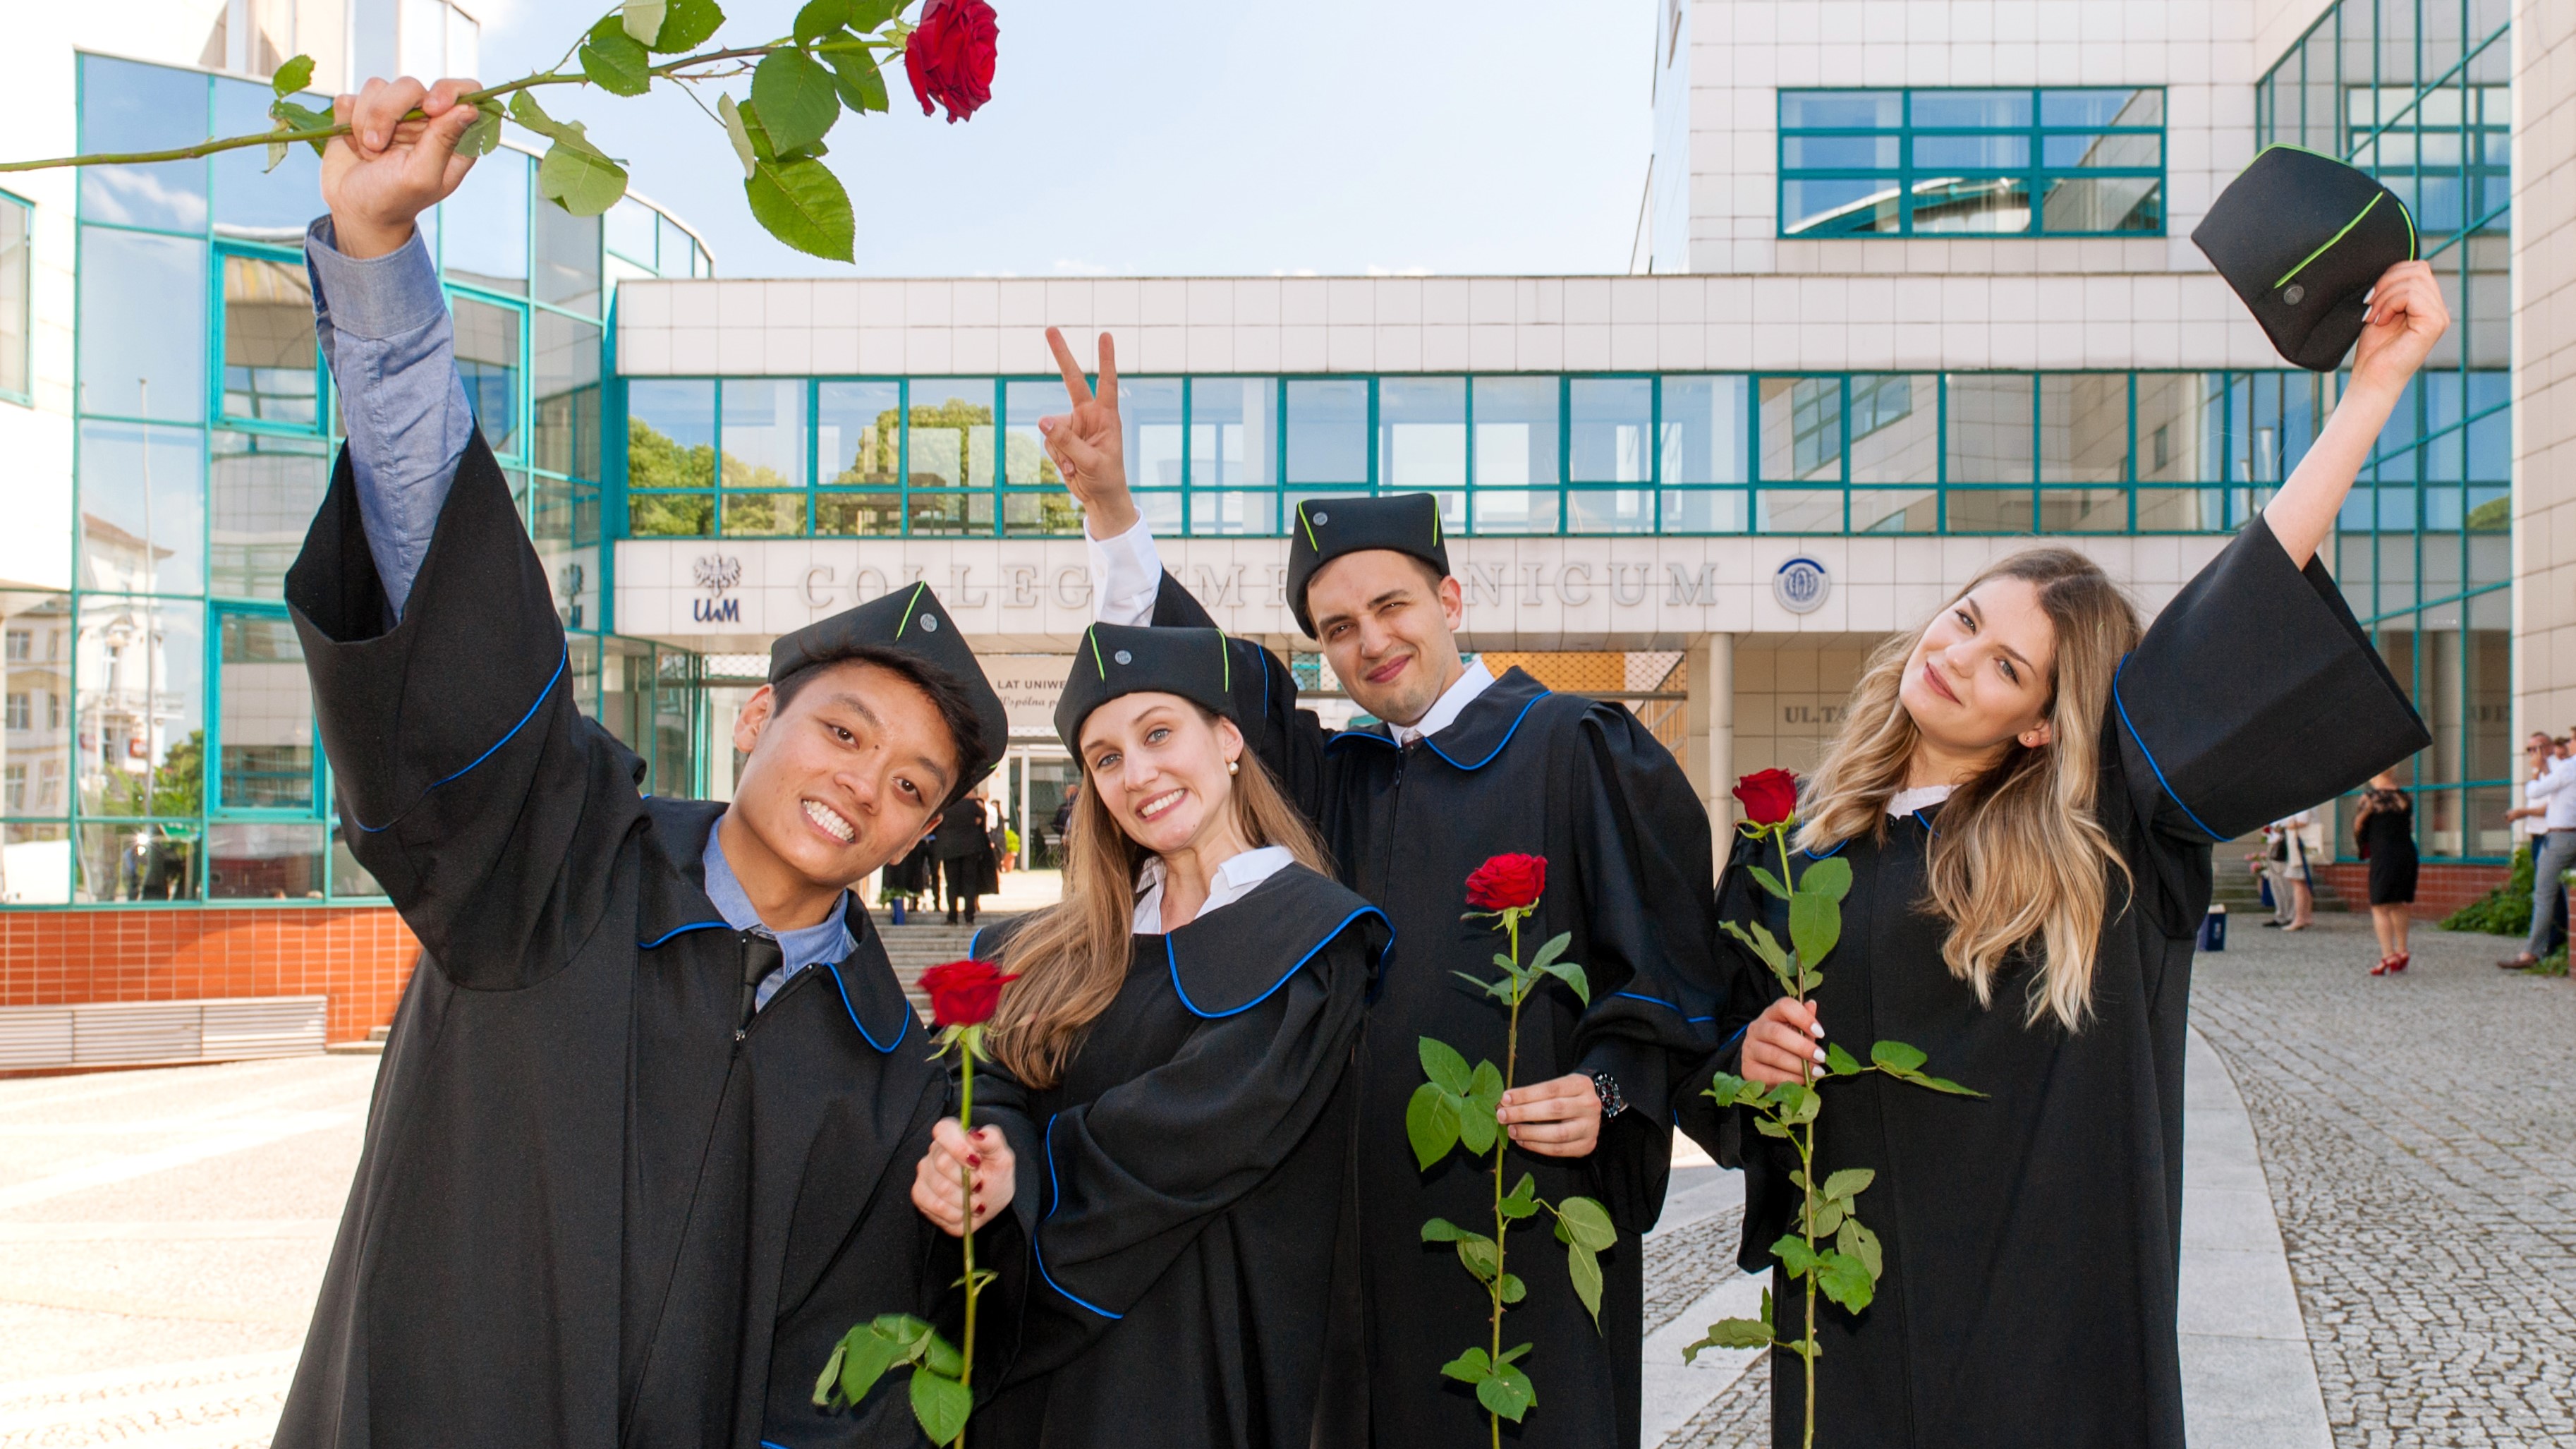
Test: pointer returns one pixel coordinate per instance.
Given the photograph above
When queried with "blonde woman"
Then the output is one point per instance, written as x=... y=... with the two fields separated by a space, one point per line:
x=1179 y=1038
x=2027 y=791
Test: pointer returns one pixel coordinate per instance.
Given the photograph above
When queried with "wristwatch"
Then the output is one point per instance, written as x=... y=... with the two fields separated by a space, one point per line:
x=1607 y=1087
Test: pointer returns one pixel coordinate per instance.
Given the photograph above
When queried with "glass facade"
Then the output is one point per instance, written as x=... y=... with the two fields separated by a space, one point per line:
x=159 y=739
x=16 y=297
x=1696 y=453
x=2417 y=92
x=1957 y=162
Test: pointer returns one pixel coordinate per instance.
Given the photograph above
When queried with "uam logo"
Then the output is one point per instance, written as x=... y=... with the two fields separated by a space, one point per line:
x=716 y=573
x=1800 y=585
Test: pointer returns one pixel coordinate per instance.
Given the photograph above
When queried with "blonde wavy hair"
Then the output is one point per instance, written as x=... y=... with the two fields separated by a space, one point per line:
x=1073 y=957
x=2020 y=857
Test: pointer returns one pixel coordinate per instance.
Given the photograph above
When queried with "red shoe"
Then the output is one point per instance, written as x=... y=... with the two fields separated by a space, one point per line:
x=2400 y=963
x=2383 y=968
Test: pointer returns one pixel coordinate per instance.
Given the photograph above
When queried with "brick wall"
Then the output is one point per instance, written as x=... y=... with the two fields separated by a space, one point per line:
x=357 y=956
x=2439 y=889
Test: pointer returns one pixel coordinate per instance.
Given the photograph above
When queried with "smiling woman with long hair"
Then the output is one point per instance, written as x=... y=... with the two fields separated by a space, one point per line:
x=1179 y=1036
x=2026 y=791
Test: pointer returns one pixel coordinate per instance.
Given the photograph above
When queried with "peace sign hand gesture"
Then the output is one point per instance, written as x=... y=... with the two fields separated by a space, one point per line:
x=1087 y=445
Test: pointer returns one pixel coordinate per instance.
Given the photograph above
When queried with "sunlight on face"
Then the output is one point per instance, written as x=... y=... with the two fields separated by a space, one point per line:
x=1389 y=629
x=1982 y=675
x=1159 y=765
x=847 y=775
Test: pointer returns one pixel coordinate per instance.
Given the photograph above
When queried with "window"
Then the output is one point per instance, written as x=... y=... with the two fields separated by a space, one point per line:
x=270 y=372
x=1972 y=162
x=487 y=359
x=16 y=316
x=20 y=714
x=22 y=645
x=266 y=721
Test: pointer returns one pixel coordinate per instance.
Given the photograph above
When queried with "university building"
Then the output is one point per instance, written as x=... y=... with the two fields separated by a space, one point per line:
x=1911 y=285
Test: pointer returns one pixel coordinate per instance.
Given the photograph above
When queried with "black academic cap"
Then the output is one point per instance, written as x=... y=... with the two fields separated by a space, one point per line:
x=1114 y=660
x=1327 y=528
x=2303 y=238
x=912 y=622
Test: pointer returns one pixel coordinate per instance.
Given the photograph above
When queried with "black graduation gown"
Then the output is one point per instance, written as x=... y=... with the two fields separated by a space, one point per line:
x=1191 y=1163
x=2031 y=1239
x=585 y=1197
x=1629 y=875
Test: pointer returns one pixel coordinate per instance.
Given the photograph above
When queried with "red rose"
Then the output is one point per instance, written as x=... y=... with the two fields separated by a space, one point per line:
x=1508 y=882
x=963 y=993
x=1769 y=797
x=949 y=57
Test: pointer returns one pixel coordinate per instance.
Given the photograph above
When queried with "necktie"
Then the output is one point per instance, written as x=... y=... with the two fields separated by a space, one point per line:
x=760 y=956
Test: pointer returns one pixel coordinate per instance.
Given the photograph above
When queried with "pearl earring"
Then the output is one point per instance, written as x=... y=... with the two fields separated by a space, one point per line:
x=1233 y=767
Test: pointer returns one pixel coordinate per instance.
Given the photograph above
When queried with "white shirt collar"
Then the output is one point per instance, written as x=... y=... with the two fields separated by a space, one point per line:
x=1906 y=802
x=1231 y=882
x=1445 y=710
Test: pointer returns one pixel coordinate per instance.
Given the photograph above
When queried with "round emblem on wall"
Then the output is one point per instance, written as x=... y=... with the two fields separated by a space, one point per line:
x=1800 y=585
x=930 y=623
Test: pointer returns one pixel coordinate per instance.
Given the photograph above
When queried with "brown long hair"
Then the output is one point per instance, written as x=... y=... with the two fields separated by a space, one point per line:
x=1072 y=957
x=2020 y=856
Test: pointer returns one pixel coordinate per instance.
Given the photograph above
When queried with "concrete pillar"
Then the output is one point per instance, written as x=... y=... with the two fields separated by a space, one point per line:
x=2544 y=365
x=1708 y=745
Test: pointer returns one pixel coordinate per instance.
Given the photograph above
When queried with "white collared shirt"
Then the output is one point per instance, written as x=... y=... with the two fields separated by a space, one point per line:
x=1445 y=710
x=2555 y=792
x=1232 y=882
x=1906 y=802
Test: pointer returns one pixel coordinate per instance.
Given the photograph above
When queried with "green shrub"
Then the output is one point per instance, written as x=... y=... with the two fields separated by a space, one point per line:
x=2504 y=911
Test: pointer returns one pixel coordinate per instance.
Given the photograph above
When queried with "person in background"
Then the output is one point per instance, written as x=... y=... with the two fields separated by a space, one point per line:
x=2384 y=830
x=2291 y=854
x=966 y=865
x=2267 y=864
x=2550 y=800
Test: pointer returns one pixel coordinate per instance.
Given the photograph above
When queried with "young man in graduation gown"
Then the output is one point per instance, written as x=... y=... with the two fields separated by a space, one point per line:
x=642 y=1141
x=1467 y=766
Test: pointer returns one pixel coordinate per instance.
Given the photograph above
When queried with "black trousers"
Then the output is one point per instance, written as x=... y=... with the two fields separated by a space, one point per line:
x=959 y=881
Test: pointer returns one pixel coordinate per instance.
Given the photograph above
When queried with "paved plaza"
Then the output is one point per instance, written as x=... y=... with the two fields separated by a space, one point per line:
x=2378 y=1250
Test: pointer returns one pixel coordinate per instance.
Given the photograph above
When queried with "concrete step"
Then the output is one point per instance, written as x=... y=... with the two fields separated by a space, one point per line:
x=926 y=941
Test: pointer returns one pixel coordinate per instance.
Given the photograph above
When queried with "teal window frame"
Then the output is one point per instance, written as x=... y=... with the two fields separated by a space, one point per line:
x=1907 y=178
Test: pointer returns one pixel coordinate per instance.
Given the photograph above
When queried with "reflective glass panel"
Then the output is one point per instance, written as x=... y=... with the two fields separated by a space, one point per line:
x=2083 y=510
x=1798 y=510
x=1516 y=433
x=2102 y=108
x=1991 y=205
x=1515 y=510
x=2105 y=203
x=142 y=325
x=764 y=435
x=970 y=515
x=1971 y=153
x=1988 y=510
x=269 y=351
x=142 y=508
x=1895 y=428
x=2180 y=429
x=263 y=491
x=567 y=355
x=764 y=514
x=487 y=359
x=268 y=861
x=1704 y=430
x=1327 y=430
x=1990 y=430
x=671 y=433
x=847 y=515
x=678 y=250
x=2083 y=427
x=670 y=515
x=2117 y=150
x=1981 y=110
x=1609 y=420
x=631 y=228
x=126 y=106
x=1895 y=510
x=1044 y=513
x=1838 y=206
x=1841 y=110
x=36 y=679
x=1025 y=463
x=139 y=725
x=15 y=278
x=253 y=202
x=951 y=438
x=1839 y=153
x=1149 y=410
x=1233 y=513
x=1422 y=433
x=1609 y=510
x=857 y=432
x=1234 y=434
x=266 y=724
x=567 y=258
x=1704 y=510
x=484 y=225
x=151 y=861
x=35 y=865
x=1802 y=429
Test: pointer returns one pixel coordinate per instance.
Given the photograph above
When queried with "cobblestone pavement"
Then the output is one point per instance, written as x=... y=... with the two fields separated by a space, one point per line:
x=2419 y=1136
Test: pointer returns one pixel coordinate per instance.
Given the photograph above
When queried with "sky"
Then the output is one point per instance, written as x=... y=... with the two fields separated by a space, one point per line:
x=1192 y=137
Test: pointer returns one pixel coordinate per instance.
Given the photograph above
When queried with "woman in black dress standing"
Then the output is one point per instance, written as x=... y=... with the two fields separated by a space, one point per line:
x=2027 y=793
x=2384 y=829
x=1178 y=1040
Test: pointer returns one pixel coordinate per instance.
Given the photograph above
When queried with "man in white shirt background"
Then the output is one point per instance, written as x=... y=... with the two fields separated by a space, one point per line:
x=2550 y=801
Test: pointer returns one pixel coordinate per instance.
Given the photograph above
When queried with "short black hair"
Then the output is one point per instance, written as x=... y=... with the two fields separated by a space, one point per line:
x=956 y=710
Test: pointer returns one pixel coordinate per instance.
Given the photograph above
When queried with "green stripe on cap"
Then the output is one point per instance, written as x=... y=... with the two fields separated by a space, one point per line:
x=1225 y=661
x=2339 y=236
x=1309 y=527
x=1435 y=523
x=909 y=606
x=1093 y=634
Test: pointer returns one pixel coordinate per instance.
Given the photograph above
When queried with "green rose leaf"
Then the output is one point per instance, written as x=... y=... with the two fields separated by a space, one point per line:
x=1523 y=1201
x=1815 y=922
x=1584 y=1268
x=1508 y=1392
x=293 y=76
x=1476 y=1125
x=1770 y=1127
x=1442 y=1064
x=795 y=99
x=1942 y=1084
x=1830 y=878
x=802 y=204
x=1796 y=1103
x=1829 y=1216
x=871 y=1351
x=484 y=136
x=1553 y=948
x=819 y=19
x=577 y=178
x=867 y=15
x=1485 y=1086
x=1430 y=1125
x=938 y=1354
x=1846 y=1280
x=1850 y=1182
x=1726 y=1090
x=1440 y=1230
x=941 y=1404
x=1587 y=1223
x=615 y=61
x=1839 y=1062
x=1731 y=1333
x=1795 y=1257
x=1471 y=1367
x=642 y=20
x=1771 y=883
x=831 y=1378
x=1512 y=1289
x=1572 y=975
x=299 y=118
x=1514 y=1354
x=1477 y=1252
x=861 y=84
x=1859 y=1243
x=1897 y=1057
x=686 y=25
